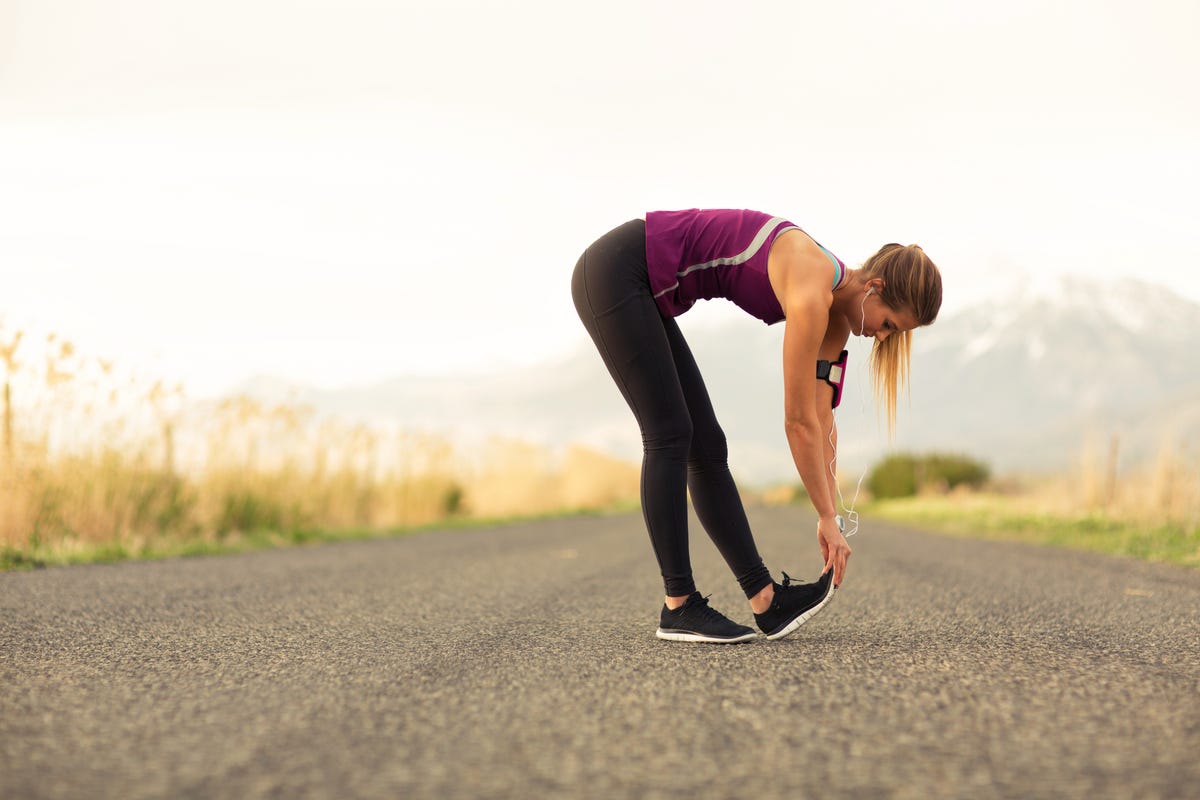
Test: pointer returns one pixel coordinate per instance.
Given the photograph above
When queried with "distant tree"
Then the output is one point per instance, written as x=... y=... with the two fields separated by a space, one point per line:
x=895 y=476
x=905 y=474
x=950 y=470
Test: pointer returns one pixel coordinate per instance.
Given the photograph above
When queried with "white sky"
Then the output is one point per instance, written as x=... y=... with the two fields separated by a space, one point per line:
x=336 y=191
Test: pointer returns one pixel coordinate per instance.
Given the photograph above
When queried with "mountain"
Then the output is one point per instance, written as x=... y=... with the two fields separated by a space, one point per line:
x=1028 y=376
x=1022 y=381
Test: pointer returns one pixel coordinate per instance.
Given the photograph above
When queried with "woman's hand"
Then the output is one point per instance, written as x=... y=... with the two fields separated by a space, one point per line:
x=834 y=549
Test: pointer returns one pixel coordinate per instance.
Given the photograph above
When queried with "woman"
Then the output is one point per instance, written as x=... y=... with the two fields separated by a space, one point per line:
x=628 y=287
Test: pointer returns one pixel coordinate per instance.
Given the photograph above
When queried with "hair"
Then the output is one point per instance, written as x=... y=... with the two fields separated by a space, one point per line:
x=911 y=282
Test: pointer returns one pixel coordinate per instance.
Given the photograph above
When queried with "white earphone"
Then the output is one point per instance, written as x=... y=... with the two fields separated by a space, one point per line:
x=851 y=515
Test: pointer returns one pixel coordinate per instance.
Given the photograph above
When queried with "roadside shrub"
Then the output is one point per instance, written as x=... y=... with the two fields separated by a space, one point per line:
x=245 y=510
x=452 y=500
x=950 y=470
x=905 y=474
x=895 y=476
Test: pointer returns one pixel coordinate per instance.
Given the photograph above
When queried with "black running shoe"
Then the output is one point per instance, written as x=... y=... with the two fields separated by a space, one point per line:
x=794 y=604
x=696 y=621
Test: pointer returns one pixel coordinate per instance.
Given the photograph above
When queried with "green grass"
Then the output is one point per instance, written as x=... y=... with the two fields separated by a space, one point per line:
x=41 y=554
x=999 y=517
x=68 y=551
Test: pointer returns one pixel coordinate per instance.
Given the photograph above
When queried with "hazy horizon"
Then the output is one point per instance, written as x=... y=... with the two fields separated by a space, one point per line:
x=340 y=192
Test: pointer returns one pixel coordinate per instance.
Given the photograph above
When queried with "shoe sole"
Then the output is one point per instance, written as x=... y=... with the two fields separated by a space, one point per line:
x=795 y=624
x=688 y=636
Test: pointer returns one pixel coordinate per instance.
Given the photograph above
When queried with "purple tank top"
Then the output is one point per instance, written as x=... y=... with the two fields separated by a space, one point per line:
x=700 y=254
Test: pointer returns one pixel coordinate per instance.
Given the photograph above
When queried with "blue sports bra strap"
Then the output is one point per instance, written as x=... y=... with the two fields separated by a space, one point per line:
x=838 y=270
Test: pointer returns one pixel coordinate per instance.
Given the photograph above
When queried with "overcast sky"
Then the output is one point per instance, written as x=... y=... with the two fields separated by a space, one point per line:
x=335 y=191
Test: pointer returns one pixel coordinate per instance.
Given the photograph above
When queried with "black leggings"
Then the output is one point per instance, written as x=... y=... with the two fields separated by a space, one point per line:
x=683 y=446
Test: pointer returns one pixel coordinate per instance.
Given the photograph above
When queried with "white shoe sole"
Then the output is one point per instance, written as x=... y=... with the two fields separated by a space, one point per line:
x=683 y=636
x=795 y=624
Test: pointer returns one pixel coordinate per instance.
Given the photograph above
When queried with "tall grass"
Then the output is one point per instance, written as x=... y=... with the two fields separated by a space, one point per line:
x=1149 y=509
x=96 y=462
x=1166 y=487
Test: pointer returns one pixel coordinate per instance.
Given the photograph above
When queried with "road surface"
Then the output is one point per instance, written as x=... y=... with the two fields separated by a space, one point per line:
x=521 y=662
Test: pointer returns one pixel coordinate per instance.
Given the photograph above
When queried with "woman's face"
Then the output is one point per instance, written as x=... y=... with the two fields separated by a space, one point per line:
x=879 y=320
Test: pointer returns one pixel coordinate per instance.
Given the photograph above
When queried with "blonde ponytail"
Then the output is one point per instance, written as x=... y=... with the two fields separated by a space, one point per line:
x=911 y=281
x=889 y=373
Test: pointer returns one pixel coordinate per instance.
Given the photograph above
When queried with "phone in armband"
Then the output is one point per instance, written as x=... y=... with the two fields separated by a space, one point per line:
x=834 y=373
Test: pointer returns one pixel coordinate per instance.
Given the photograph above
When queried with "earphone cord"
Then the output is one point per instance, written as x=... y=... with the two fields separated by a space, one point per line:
x=851 y=515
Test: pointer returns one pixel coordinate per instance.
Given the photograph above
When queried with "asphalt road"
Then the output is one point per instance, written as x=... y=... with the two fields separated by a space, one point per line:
x=521 y=662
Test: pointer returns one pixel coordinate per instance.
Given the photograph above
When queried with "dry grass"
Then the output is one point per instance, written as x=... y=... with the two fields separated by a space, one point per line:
x=1149 y=510
x=94 y=463
x=517 y=478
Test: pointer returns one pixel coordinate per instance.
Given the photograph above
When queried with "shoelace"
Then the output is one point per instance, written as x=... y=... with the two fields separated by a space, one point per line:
x=702 y=608
x=792 y=585
x=787 y=581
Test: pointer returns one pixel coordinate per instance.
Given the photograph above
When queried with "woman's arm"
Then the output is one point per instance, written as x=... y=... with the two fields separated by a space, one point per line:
x=801 y=276
x=803 y=422
x=825 y=537
x=829 y=442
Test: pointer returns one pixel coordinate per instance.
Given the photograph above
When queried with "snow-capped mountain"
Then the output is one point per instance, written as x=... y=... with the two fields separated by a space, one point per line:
x=1022 y=381
x=1028 y=375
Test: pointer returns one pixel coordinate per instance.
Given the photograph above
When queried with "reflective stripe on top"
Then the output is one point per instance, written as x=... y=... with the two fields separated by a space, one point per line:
x=731 y=261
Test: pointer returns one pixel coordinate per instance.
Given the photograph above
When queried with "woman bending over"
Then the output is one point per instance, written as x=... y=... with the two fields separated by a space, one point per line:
x=630 y=285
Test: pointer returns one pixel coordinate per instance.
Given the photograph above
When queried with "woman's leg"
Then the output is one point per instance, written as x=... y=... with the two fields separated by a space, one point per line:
x=611 y=290
x=714 y=494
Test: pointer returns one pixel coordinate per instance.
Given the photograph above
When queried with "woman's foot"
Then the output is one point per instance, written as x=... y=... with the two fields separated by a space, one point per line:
x=696 y=621
x=794 y=604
